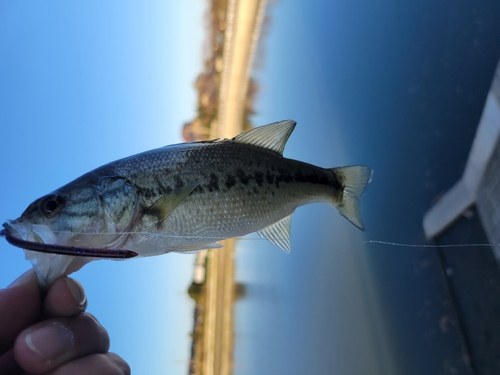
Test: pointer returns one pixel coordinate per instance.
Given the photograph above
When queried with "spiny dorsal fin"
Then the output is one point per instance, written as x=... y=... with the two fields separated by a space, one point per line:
x=169 y=202
x=272 y=136
x=279 y=234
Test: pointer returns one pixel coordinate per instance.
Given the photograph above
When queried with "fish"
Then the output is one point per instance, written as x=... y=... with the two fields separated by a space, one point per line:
x=181 y=198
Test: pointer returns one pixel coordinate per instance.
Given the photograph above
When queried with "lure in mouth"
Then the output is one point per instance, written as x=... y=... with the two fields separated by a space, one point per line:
x=10 y=232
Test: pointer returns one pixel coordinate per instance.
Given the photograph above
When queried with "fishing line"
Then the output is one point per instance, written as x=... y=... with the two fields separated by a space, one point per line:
x=427 y=245
x=246 y=238
x=122 y=253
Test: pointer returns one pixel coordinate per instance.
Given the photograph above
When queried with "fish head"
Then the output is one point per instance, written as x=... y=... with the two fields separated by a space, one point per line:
x=85 y=213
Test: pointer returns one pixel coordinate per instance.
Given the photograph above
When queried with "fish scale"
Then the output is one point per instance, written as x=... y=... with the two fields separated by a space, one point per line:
x=185 y=198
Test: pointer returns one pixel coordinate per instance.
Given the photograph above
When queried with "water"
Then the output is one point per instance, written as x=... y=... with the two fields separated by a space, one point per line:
x=398 y=87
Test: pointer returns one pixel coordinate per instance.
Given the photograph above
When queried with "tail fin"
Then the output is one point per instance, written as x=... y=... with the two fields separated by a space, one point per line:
x=354 y=180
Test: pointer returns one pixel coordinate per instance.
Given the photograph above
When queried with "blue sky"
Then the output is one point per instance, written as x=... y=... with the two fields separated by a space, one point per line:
x=83 y=84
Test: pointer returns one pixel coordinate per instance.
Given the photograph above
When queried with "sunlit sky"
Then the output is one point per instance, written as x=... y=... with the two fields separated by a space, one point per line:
x=82 y=84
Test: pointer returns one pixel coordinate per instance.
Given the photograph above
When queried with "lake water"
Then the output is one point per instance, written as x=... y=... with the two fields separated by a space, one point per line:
x=398 y=87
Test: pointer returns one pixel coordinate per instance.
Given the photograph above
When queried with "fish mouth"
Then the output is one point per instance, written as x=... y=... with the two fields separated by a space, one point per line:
x=27 y=238
x=20 y=235
x=11 y=230
x=26 y=231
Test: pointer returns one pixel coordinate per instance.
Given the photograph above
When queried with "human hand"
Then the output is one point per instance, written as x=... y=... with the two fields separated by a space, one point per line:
x=52 y=334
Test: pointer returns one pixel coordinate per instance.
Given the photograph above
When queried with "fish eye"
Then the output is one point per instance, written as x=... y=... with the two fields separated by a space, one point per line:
x=51 y=205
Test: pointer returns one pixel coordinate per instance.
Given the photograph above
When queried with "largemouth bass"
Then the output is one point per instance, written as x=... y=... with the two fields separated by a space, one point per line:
x=184 y=198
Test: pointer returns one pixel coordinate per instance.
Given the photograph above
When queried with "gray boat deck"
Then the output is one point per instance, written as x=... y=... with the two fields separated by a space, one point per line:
x=480 y=183
x=469 y=213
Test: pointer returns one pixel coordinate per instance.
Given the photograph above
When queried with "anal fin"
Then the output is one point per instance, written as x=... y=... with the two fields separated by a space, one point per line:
x=279 y=234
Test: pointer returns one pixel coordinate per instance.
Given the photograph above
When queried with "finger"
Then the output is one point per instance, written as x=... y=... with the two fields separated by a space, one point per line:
x=95 y=364
x=49 y=344
x=64 y=298
x=19 y=308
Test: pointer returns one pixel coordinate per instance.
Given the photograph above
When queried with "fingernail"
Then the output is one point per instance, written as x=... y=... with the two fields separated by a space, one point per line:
x=25 y=277
x=50 y=341
x=77 y=291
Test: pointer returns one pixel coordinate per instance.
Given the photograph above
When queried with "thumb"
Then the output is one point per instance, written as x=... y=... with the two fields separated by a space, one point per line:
x=20 y=305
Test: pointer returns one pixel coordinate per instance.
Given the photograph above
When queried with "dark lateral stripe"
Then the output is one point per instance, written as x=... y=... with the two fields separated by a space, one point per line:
x=230 y=181
x=213 y=184
x=259 y=178
x=282 y=175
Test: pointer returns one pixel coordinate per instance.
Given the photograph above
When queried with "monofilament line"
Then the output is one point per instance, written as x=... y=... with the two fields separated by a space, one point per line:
x=427 y=245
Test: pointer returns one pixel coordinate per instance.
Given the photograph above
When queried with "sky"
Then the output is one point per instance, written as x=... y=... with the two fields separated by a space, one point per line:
x=398 y=87
x=83 y=84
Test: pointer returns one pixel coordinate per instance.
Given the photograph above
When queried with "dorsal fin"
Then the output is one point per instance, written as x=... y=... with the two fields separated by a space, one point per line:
x=272 y=136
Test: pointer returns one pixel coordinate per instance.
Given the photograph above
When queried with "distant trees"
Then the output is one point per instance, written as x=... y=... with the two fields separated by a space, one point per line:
x=208 y=82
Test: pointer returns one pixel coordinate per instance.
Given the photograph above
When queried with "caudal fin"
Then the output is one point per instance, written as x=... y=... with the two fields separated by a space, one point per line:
x=354 y=179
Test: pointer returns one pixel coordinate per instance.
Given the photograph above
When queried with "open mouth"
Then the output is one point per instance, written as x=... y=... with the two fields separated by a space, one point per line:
x=9 y=230
x=10 y=234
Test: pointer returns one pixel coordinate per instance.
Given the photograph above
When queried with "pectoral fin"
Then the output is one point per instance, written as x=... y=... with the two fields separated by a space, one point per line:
x=167 y=203
x=279 y=234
